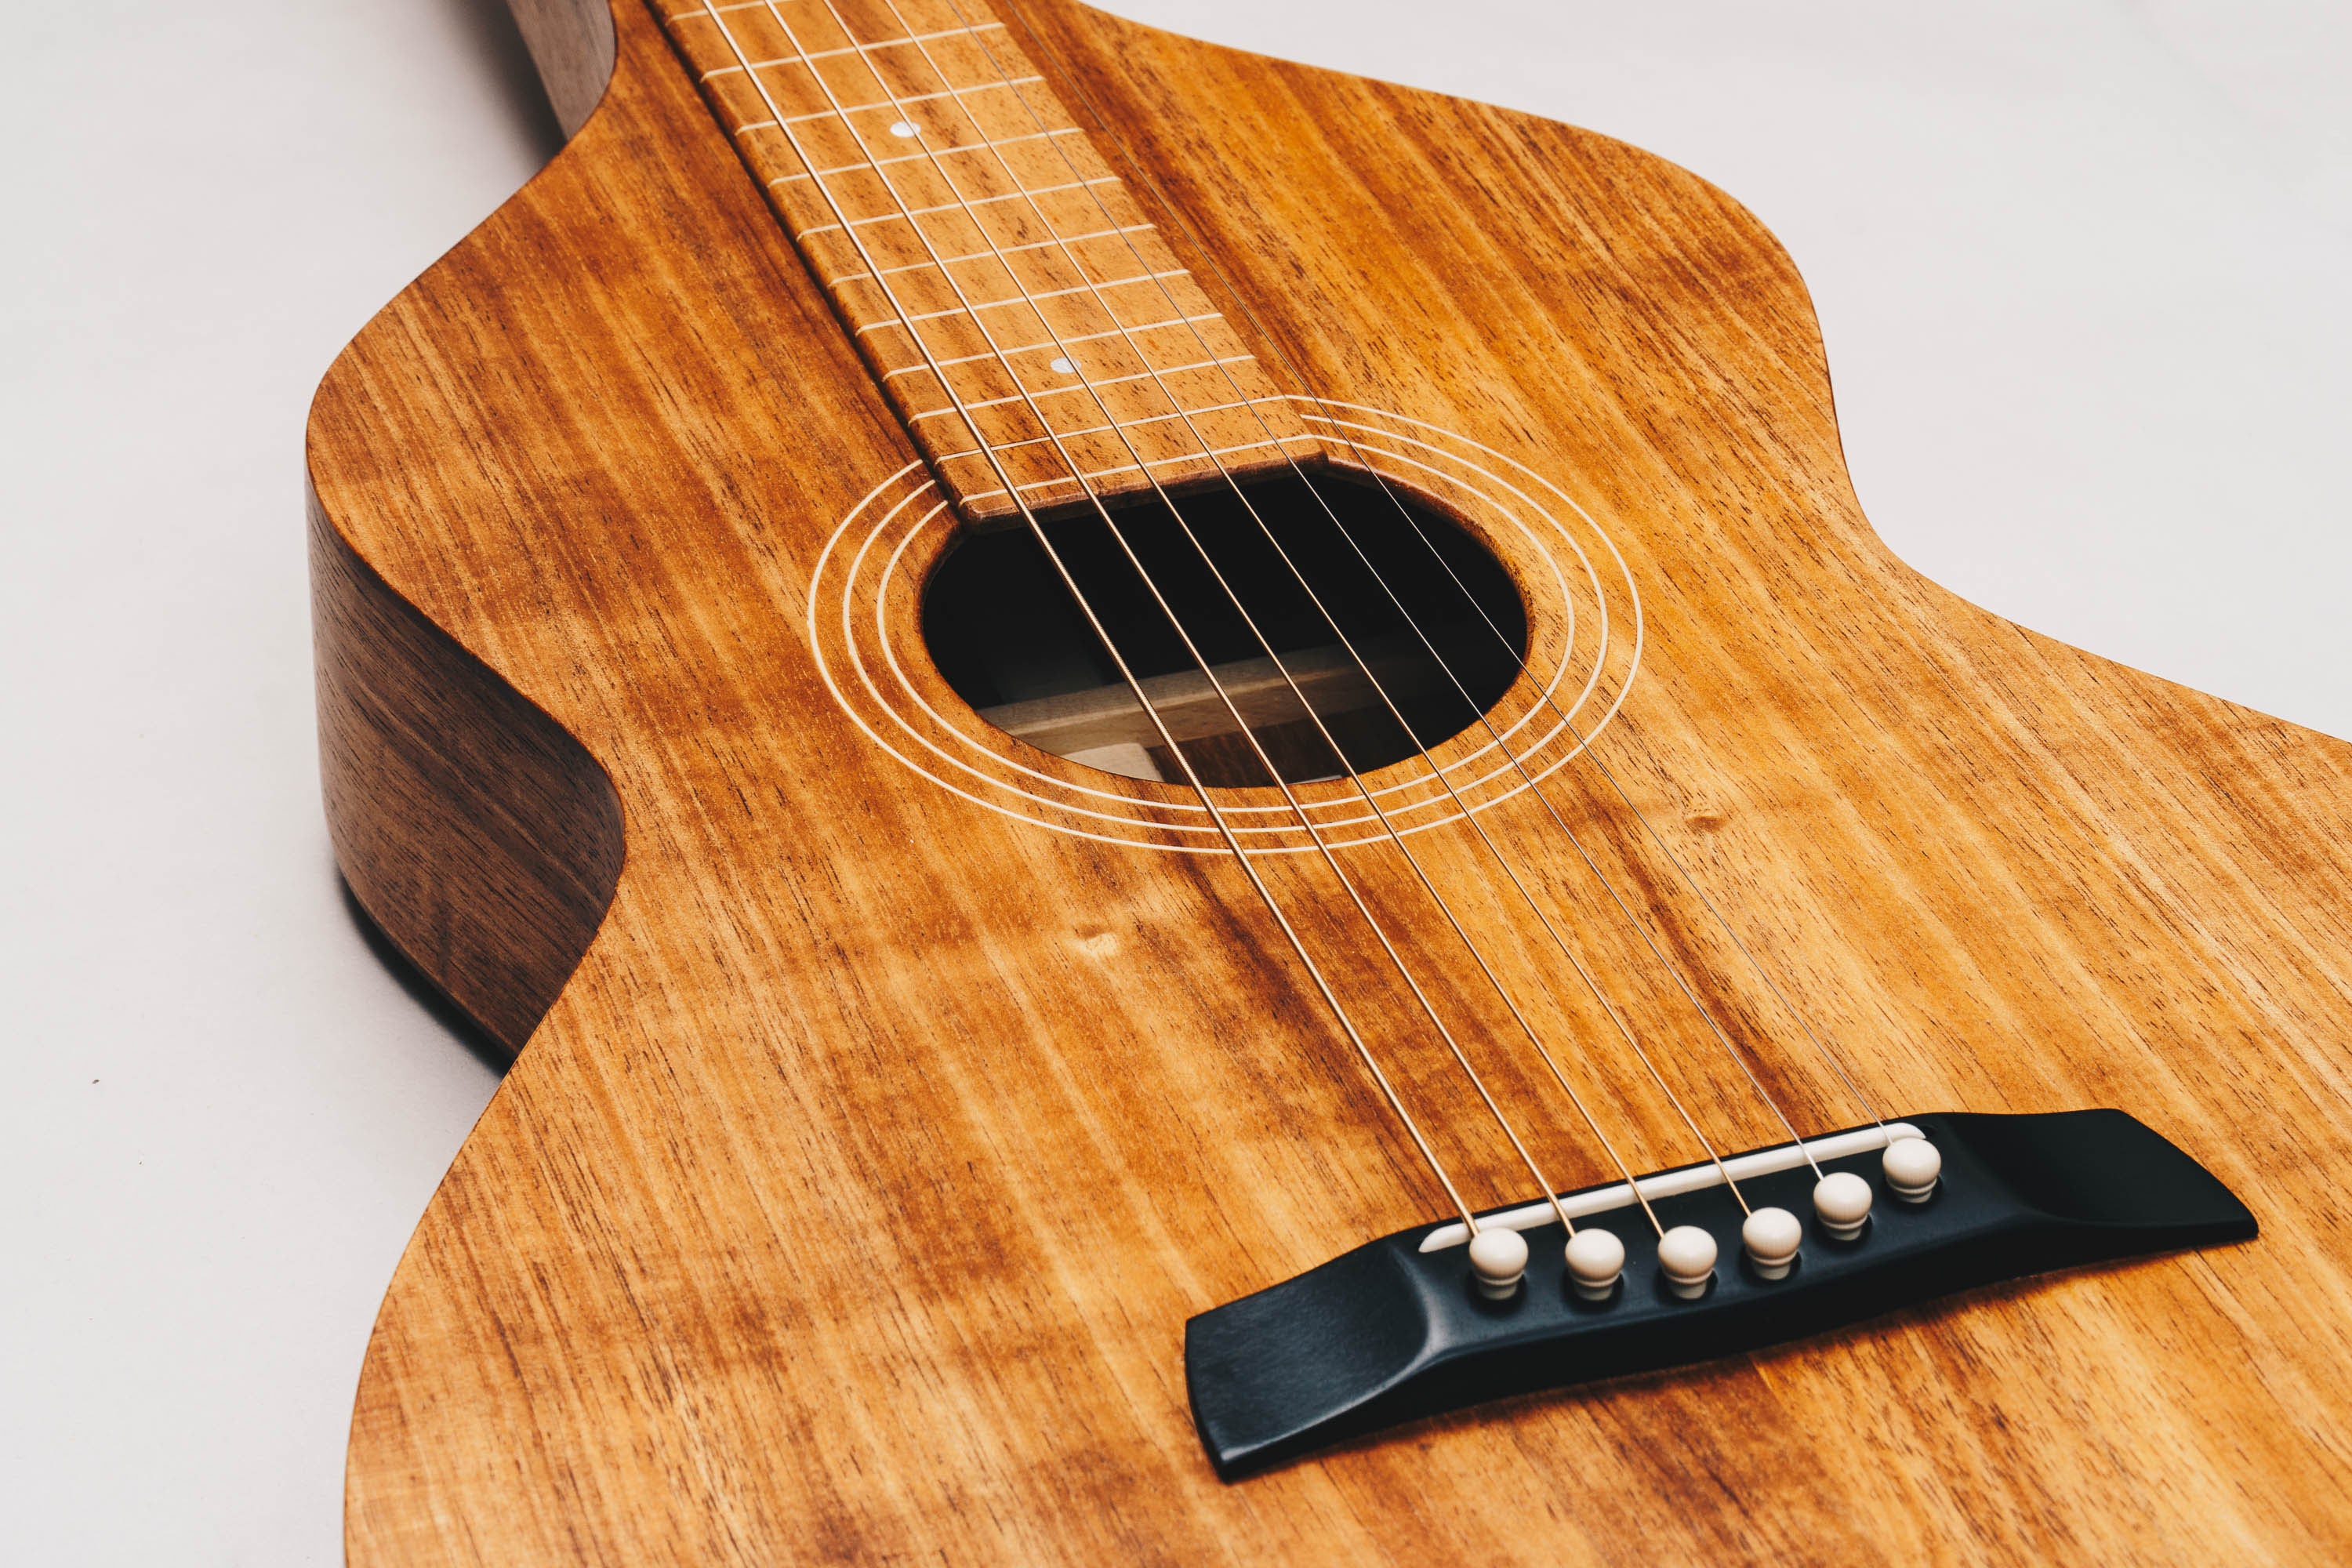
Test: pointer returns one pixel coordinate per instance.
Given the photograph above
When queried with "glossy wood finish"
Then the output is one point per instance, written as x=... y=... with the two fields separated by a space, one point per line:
x=991 y=247
x=848 y=1203
x=478 y=836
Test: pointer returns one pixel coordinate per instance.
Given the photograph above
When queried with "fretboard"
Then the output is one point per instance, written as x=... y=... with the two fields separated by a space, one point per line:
x=1000 y=280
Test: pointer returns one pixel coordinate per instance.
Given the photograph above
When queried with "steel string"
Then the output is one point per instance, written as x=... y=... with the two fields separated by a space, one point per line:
x=1355 y=896
x=1200 y=250
x=1070 y=581
x=1503 y=992
x=1608 y=1007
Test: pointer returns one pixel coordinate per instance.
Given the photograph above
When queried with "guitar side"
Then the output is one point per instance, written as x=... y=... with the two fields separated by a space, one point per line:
x=870 y=1150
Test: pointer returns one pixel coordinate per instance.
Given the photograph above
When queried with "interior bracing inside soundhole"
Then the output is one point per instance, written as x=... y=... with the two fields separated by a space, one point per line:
x=1008 y=639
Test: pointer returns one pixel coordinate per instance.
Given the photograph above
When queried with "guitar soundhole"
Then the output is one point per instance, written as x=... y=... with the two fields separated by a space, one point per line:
x=1428 y=611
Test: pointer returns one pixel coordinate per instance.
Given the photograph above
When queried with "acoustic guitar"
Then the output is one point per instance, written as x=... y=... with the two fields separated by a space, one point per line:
x=1209 y=835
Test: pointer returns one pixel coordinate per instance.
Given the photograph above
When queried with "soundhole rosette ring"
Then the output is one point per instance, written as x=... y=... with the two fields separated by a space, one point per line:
x=1584 y=645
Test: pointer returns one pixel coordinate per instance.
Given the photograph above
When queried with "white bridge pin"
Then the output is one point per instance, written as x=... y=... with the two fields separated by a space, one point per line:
x=1595 y=1260
x=1686 y=1258
x=1498 y=1260
x=1842 y=1199
x=1771 y=1237
x=1912 y=1167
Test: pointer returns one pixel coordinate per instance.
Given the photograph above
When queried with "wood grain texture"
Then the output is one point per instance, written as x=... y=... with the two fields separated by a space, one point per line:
x=571 y=47
x=848 y=1203
x=973 y=240
x=477 y=834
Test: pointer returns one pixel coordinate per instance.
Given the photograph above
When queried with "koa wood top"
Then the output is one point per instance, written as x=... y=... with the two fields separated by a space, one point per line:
x=850 y=1195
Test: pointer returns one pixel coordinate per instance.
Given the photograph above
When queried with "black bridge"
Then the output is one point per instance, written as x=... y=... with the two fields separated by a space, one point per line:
x=1389 y=1332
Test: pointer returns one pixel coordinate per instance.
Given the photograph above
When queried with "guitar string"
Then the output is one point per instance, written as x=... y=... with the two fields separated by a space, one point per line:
x=1835 y=1059
x=1153 y=372
x=1138 y=178
x=1322 y=984
x=1224 y=829
x=1199 y=247
x=1771 y=1104
x=1529 y=781
x=1503 y=992
x=1613 y=1013
x=931 y=155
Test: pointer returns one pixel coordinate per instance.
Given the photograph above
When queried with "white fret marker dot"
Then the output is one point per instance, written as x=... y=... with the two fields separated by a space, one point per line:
x=1062 y=367
x=901 y=128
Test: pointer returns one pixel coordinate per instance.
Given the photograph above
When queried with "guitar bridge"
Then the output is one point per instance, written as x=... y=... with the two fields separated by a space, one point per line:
x=1398 y=1329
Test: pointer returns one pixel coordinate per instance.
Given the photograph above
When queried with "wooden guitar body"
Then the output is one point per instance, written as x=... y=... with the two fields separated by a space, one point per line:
x=880 y=1125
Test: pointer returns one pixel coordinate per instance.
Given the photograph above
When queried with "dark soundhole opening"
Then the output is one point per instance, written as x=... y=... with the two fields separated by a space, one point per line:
x=1388 y=570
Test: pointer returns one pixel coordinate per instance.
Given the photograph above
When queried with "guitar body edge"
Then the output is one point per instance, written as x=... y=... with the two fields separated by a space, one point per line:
x=872 y=1146
x=477 y=834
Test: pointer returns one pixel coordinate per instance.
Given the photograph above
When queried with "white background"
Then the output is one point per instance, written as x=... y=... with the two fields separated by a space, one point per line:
x=2081 y=264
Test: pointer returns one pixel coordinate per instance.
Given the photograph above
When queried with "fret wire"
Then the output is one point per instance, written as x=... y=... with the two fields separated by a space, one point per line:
x=949 y=91
x=1208 y=802
x=1277 y=442
x=907 y=214
x=863 y=50
x=1098 y=381
x=1355 y=896
x=909 y=157
x=1018 y=299
x=959 y=94
x=1011 y=86
x=753 y=68
x=1105 y=429
x=1042 y=348
x=1489 y=724
x=1079 y=478
x=1363 y=789
x=880 y=273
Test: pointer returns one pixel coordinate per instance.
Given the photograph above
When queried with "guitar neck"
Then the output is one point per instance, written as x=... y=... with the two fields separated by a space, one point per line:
x=1030 y=326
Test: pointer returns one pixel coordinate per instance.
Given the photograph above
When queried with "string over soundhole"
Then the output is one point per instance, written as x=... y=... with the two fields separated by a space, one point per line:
x=1004 y=634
